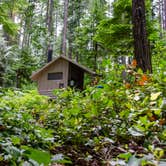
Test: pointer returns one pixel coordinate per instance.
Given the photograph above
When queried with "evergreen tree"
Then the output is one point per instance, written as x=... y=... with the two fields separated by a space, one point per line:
x=88 y=50
x=65 y=22
x=115 y=33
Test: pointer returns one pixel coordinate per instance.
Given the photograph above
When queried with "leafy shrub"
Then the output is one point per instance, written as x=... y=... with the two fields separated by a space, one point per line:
x=116 y=124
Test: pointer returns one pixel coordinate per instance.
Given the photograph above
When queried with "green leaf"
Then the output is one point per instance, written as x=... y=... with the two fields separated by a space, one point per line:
x=154 y=96
x=15 y=140
x=125 y=156
x=157 y=111
x=135 y=132
x=42 y=157
x=140 y=71
x=133 y=161
x=143 y=120
x=61 y=159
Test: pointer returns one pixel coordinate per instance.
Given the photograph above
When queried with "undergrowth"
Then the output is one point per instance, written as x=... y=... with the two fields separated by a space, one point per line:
x=118 y=124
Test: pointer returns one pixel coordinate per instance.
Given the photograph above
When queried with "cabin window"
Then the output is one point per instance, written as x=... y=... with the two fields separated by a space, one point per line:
x=55 y=76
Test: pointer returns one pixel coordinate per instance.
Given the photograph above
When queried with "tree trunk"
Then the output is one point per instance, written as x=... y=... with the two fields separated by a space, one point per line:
x=63 y=49
x=164 y=14
x=160 y=18
x=49 y=25
x=141 y=45
x=50 y=14
x=18 y=79
x=95 y=55
x=1 y=76
x=70 y=48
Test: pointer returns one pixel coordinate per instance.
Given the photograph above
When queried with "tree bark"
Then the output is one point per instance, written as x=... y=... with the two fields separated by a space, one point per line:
x=50 y=14
x=70 y=52
x=164 y=14
x=1 y=76
x=63 y=49
x=141 y=44
x=49 y=25
x=95 y=55
x=160 y=18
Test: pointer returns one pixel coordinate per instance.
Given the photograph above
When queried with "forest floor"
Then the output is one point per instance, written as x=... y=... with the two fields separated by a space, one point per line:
x=119 y=124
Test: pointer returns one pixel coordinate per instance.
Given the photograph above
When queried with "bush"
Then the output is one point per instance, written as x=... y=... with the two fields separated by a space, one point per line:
x=116 y=124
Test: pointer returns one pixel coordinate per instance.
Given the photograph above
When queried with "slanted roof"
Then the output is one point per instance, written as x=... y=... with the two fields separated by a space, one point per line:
x=85 y=69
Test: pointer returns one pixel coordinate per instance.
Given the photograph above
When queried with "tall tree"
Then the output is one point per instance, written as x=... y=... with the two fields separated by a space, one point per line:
x=141 y=45
x=49 y=21
x=64 y=34
x=74 y=14
x=161 y=10
x=164 y=14
x=97 y=11
x=118 y=25
x=88 y=49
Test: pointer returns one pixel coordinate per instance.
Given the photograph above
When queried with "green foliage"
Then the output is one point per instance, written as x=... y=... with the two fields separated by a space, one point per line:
x=111 y=125
x=9 y=26
x=16 y=64
x=115 y=34
x=107 y=36
x=83 y=45
x=7 y=10
x=119 y=124
x=37 y=155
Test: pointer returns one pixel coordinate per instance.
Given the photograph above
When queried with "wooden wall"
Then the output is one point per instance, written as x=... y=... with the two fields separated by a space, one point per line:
x=46 y=86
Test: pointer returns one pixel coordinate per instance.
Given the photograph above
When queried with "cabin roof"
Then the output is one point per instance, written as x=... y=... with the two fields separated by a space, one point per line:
x=85 y=69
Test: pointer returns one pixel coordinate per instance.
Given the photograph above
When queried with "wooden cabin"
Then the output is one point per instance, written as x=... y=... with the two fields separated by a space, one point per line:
x=60 y=73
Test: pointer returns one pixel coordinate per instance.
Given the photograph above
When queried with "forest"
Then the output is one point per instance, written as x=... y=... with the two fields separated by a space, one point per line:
x=118 y=117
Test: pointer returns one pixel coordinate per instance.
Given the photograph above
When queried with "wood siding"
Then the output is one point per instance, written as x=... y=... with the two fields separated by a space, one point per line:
x=45 y=85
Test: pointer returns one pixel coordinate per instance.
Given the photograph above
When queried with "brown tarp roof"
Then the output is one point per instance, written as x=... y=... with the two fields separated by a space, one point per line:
x=34 y=75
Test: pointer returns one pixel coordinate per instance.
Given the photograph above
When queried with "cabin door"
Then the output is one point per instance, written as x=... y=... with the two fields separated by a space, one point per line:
x=76 y=77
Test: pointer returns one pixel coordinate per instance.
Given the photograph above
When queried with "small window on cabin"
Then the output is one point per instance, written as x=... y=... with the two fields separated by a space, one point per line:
x=55 y=76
